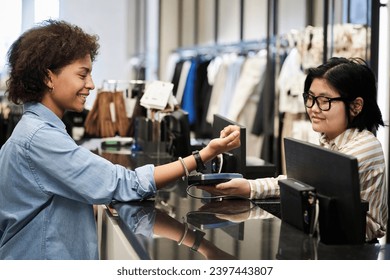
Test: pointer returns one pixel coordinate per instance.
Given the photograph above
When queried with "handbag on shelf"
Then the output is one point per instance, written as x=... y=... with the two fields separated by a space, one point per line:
x=107 y=117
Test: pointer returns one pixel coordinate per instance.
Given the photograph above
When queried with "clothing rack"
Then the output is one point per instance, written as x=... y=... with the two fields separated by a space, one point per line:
x=275 y=43
x=242 y=47
x=372 y=20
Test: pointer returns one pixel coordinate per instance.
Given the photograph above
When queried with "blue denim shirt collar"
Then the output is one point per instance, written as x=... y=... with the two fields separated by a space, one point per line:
x=44 y=113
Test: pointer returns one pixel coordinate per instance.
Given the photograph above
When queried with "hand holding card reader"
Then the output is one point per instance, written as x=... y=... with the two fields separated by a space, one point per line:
x=211 y=179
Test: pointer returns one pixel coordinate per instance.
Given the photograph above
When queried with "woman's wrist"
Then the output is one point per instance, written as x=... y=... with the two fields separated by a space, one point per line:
x=191 y=237
x=207 y=154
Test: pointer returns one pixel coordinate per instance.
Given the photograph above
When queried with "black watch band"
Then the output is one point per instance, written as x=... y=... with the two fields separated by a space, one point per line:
x=199 y=162
x=198 y=239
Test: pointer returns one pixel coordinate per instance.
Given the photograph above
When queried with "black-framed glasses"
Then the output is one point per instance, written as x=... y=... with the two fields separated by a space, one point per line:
x=322 y=102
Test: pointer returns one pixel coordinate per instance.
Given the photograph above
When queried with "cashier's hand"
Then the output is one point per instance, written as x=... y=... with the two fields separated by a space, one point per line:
x=234 y=187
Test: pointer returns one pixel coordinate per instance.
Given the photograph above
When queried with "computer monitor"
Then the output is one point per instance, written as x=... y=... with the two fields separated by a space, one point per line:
x=234 y=160
x=335 y=176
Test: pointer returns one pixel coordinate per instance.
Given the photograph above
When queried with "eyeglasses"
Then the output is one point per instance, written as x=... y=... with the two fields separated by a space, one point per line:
x=322 y=102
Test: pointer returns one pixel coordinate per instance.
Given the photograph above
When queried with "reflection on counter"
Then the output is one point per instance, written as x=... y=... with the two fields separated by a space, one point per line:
x=225 y=229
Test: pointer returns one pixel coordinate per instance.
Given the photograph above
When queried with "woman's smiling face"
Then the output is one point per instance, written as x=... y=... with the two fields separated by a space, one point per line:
x=70 y=87
x=333 y=122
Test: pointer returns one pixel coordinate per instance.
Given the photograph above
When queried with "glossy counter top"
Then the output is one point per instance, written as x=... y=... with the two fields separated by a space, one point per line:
x=232 y=228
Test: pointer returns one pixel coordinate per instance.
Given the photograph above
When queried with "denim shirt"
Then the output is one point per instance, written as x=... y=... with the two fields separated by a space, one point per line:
x=48 y=185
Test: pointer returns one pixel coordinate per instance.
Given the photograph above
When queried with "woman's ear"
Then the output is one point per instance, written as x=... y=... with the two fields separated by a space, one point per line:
x=356 y=106
x=49 y=80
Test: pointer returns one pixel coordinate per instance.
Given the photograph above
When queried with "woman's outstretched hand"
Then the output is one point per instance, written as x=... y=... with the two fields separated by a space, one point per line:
x=229 y=139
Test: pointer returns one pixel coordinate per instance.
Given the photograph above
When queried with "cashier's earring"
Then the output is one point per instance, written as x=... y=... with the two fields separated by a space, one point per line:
x=51 y=89
x=357 y=106
x=356 y=112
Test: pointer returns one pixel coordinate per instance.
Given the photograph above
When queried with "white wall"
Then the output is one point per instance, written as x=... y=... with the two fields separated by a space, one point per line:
x=108 y=19
x=384 y=81
x=291 y=15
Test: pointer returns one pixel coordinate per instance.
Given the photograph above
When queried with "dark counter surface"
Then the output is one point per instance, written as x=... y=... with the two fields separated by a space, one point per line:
x=233 y=228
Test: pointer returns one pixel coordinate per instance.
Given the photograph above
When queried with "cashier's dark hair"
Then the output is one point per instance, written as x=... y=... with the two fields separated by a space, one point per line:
x=51 y=45
x=351 y=78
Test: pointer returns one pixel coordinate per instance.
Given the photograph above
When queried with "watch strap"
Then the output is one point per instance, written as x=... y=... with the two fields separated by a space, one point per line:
x=200 y=166
x=198 y=239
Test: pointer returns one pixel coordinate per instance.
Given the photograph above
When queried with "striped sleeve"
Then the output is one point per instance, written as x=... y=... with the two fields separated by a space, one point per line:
x=265 y=187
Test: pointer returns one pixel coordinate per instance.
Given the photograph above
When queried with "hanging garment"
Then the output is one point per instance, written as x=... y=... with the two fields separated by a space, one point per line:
x=233 y=75
x=182 y=80
x=187 y=103
x=253 y=73
x=291 y=84
x=219 y=81
x=202 y=99
x=176 y=76
x=172 y=61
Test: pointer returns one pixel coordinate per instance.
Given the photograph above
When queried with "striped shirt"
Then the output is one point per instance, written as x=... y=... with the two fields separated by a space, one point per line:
x=372 y=175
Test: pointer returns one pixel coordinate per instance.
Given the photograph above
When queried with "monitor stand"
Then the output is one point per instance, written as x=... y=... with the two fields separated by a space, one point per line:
x=331 y=231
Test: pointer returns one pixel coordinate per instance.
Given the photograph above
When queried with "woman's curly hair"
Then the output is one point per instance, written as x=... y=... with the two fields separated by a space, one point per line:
x=51 y=45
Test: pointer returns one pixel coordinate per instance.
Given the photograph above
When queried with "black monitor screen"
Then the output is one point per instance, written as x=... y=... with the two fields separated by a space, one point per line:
x=334 y=175
x=238 y=156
